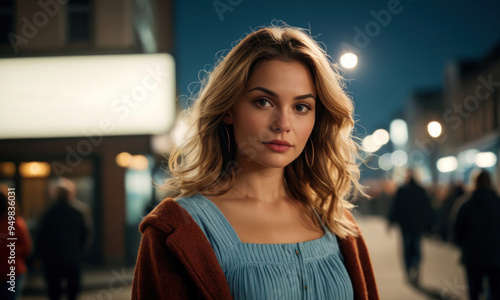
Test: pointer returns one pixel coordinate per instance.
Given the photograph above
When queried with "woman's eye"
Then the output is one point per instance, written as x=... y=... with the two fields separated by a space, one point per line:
x=302 y=108
x=262 y=102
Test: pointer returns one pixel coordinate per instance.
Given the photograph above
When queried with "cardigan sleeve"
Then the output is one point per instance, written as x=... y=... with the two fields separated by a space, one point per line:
x=358 y=265
x=158 y=273
x=366 y=264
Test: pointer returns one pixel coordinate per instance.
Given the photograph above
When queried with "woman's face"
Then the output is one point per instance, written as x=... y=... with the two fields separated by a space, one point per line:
x=275 y=116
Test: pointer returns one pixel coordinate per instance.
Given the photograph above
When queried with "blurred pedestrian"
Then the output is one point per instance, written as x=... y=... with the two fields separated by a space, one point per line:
x=477 y=233
x=12 y=279
x=455 y=193
x=411 y=209
x=60 y=244
x=82 y=207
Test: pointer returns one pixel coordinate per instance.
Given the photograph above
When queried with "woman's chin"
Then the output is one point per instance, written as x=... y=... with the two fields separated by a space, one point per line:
x=273 y=162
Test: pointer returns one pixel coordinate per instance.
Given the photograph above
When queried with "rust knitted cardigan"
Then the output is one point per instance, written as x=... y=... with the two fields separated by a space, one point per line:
x=176 y=260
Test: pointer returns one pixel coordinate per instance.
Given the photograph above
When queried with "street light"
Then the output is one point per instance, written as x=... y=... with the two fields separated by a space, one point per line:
x=447 y=164
x=435 y=129
x=349 y=60
x=486 y=159
x=381 y=137
x=369 y=145
x=398 y=132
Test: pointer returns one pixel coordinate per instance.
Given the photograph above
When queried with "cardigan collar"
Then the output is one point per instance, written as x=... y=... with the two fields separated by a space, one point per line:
x=184 y=235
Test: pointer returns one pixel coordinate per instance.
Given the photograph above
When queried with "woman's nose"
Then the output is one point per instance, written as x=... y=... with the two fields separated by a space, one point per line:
x=280 y=121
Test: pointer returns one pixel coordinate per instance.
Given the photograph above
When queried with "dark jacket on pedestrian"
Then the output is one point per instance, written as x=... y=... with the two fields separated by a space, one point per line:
x=411 y=208
x=477 y=229
x=176 y=260
x=62 y=234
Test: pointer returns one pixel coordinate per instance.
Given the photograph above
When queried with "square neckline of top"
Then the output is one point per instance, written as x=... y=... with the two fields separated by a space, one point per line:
x=237 y=238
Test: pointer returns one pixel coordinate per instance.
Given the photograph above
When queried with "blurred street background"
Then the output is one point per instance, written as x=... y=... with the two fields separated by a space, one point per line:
x=96 y=91
x=442 y=275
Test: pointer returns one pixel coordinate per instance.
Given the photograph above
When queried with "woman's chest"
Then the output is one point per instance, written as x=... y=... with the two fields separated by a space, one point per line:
x=285 y=224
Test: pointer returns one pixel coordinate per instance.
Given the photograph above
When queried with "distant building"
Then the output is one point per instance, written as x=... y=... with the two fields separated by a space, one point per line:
x=472 y=112
x=468 y=110
x=110 y=149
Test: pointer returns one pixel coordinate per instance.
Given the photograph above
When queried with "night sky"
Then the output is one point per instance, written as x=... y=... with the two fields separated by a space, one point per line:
x=409 y=53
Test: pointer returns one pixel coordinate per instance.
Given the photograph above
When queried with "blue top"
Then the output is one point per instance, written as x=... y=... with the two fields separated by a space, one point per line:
x=307 y=270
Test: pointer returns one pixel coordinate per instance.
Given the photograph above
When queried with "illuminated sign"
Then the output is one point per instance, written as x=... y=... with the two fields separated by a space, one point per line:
x=74 y=96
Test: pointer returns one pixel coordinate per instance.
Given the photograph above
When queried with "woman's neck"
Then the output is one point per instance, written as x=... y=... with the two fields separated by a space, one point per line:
x=260 y=184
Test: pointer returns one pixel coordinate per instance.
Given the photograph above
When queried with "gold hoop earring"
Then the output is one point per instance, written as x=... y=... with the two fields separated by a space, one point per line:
x=228 y=140
x=312 y=159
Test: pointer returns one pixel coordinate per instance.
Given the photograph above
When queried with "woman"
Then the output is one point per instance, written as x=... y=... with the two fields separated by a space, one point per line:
x=260 y=185
x=476 y=232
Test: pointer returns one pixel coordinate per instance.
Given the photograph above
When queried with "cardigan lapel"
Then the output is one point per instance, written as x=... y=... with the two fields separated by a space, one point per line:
x=358 y=265
x=353 y=266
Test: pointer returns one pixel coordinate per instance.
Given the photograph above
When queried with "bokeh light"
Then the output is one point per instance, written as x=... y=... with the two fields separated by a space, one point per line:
x=398 y=132
x=369 y=144
x=399 y=158
x=349 y=60
x=434 y=128
x=385 y=162
x=381 y=137
x=486 y=159
x=447 y=164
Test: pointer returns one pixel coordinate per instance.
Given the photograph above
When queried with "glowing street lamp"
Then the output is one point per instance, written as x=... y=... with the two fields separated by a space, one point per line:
x=447 y=164
x=380 y=137
x=349 y=60
x=398 y=132
x=486 y=159
x=369 y=145
x=435 y=129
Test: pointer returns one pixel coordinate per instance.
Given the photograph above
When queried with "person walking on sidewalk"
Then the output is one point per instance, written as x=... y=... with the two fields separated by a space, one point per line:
x=61 y=242
x=411 y=209
x=477 y=233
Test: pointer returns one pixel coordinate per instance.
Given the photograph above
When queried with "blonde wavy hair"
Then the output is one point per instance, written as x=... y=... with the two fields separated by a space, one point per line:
x=323 y=176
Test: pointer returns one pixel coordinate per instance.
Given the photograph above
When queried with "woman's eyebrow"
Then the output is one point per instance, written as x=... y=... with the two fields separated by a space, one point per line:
x=271 y=93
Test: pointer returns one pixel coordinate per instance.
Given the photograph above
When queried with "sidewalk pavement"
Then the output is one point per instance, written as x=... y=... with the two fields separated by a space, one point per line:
x=97 y=283
x=441 y=275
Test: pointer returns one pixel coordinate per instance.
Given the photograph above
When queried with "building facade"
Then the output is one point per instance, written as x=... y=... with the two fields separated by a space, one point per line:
x=472 y=113
x=112 y=168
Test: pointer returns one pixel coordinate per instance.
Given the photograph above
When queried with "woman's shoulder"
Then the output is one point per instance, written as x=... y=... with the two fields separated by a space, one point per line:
x=168 y=214
x=193 y=204
x=188 y=200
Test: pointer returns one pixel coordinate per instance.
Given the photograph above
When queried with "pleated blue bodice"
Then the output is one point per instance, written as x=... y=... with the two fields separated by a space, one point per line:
x=306 y=270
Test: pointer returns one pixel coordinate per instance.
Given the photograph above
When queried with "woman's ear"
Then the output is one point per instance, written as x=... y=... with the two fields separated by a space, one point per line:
x=228 y=117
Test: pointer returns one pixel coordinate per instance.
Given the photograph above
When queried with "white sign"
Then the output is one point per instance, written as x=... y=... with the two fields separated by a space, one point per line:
x=74 y=96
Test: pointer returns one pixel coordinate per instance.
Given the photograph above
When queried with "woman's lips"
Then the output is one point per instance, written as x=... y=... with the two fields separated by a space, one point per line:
x=277 y=147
